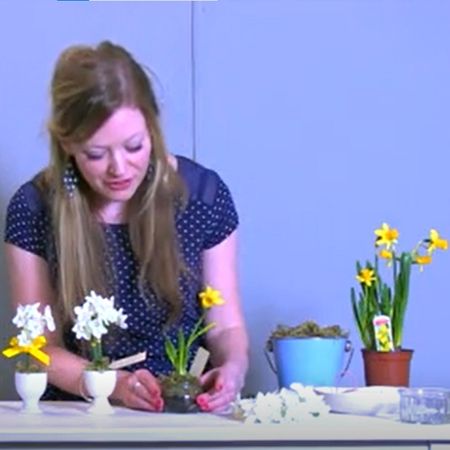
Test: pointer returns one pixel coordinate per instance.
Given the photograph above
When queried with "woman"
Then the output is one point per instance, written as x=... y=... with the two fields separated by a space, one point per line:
x=115 y=213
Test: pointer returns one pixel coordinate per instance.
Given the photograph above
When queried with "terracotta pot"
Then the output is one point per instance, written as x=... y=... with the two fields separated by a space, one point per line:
x=387 y=368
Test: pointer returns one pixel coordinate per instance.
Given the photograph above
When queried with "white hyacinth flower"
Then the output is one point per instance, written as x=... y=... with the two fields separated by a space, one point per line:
x=121 y=319
x=26 y=313
x=97 y=328
x=284 y=406
x=48 y=319
x=82 y=330
x=268 y=408
x=24 y=339
x=95 y=315
x=32 y=322
x=35 y=327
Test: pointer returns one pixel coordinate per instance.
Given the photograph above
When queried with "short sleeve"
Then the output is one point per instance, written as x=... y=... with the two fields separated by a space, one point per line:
x=223 y=218
x=27 y=221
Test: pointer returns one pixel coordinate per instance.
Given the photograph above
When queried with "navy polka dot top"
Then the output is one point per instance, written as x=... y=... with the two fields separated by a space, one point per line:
x=209 y=217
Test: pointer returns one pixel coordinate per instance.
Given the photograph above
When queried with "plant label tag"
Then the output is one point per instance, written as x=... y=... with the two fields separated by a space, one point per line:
x=383 y=333
x=199 y=362
x=119 y=363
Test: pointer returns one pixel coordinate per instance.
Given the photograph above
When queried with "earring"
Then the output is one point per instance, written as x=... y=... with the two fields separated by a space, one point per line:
x=70 y=178
x=150 y=172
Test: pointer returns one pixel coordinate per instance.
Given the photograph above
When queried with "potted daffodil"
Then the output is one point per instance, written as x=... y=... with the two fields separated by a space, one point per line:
x=379 y=306
x=180 y=387
x=30 y=376
x=93 y=320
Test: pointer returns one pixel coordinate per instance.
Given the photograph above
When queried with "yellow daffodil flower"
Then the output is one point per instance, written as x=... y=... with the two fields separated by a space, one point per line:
x=366 y=276
x=210 y=297
x=386 y=236
x=425 y=259
x=422 y=260
x=385 y=254
x=435 y=241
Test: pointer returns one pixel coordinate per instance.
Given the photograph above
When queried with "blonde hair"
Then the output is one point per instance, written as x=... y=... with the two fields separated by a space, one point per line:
x=88 y=85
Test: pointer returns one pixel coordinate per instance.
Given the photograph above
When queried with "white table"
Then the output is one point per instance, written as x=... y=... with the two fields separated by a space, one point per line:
x=68 y=425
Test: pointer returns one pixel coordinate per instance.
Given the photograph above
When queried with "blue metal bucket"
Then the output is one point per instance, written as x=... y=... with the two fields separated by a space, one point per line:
x=311 y=361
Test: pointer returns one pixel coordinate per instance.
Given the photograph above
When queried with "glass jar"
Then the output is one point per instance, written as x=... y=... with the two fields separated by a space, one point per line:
x=425 y=405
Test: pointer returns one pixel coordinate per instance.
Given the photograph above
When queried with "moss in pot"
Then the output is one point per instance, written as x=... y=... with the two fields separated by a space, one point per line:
x=308 y=328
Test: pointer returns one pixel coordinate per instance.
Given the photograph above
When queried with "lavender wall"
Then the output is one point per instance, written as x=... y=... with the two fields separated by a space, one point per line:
x=328 y=118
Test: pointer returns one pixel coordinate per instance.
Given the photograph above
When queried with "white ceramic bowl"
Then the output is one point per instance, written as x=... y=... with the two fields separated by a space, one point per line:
x=382 y=401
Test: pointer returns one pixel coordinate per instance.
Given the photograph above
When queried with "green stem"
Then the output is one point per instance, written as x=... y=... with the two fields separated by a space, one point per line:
x=97 y=354
x=377 y=285
x=394 y=267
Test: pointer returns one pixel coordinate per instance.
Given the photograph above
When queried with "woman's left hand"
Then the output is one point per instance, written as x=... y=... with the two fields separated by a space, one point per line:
x=221 y=386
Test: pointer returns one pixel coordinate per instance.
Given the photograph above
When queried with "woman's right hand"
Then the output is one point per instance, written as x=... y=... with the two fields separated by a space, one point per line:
x=139 y=390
